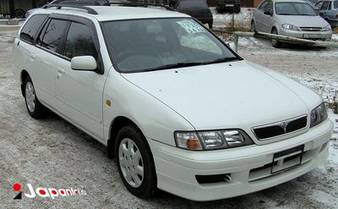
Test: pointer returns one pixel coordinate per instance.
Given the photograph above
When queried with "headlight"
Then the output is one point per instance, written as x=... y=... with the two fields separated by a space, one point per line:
x=211 y=140
x=318 y=115
x=290 y=27
x=327 y=28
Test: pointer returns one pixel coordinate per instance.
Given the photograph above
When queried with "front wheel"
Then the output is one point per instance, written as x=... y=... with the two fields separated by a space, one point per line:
x=135 y=162
x=275 y=43
x=34 y=107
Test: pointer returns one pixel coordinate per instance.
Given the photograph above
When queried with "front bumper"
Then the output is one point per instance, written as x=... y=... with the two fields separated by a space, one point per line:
x=177 y=169
x=315 y=35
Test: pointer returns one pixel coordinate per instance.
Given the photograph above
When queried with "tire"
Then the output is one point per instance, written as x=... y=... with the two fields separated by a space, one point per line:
x=275 y=43
x=34 y=107
x=133 y=153
x=237 y=9
x=210 y=25
x=253 y=27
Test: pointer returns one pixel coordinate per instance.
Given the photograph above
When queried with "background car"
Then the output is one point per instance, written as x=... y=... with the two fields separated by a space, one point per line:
x=312 y=2
x=228 y=6
x=295 y=18
x=198 y=9
x=84 y=2
x=329 y=11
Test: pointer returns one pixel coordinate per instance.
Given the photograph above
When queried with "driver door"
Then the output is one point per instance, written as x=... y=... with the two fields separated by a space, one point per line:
x=267 y=18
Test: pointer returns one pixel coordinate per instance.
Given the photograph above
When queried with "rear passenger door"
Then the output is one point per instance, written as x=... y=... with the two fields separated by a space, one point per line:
x=80 y=92
x=48 y=57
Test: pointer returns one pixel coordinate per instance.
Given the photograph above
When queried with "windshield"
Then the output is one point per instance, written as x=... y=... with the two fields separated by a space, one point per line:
x=294 y=8
x=335 y=4
x=157 y=44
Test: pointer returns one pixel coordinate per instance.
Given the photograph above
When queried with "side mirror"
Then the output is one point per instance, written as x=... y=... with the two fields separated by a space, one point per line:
x=84 y=63
x=268 y=12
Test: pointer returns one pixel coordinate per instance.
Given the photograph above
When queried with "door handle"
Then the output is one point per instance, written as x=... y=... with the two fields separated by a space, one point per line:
x=60 y=73
x=33 y=56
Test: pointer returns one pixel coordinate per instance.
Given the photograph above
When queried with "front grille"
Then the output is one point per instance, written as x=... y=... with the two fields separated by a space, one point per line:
x=311 y=28
x=280 y=128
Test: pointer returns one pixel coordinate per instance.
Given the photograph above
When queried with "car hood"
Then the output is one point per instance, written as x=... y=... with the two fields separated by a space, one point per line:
x=302 y=21
x=227 y=95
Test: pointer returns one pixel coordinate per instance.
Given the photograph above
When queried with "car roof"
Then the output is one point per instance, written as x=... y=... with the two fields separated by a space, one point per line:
x=110 y=13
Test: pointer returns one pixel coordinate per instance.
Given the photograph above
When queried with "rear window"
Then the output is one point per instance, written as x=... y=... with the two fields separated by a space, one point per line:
x=32 y=27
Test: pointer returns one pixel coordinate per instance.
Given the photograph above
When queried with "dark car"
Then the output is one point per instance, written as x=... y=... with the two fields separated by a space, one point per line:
x=328 y=9
x=198 y=9
x=232 y=6
x=79 y=2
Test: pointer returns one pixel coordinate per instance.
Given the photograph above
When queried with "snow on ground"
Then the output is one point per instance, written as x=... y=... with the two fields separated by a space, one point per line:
x=334 y=141
x=335 y=37
x=242 y=20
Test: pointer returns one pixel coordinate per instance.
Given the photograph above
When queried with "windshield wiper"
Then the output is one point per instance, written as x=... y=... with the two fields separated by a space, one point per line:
x=226 y=59
x=190 y=64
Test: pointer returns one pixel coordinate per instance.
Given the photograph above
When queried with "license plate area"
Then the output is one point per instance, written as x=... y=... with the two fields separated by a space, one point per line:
x=287 y=159
x=311 y=36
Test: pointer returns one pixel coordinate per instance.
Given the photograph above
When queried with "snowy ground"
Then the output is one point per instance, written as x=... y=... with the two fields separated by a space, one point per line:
x=242 y=20
x=54 y=153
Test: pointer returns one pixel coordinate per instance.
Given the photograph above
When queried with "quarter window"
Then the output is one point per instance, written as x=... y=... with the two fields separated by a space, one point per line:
x=54 y=34
x=326 y=5
x=79 y=42
x=32 y=27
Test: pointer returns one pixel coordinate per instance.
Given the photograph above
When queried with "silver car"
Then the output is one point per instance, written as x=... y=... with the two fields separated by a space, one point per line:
x=295 y=18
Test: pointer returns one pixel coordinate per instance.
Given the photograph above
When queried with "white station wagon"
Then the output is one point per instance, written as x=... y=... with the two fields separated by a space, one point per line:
x=178 y=109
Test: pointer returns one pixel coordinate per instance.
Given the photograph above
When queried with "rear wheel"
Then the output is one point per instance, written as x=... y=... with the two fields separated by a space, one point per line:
x=275 y=43
x=34 y=107
x=237 y=9
x=135 y=162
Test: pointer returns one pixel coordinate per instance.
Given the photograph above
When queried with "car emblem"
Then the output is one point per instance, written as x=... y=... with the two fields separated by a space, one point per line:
x=283 y=125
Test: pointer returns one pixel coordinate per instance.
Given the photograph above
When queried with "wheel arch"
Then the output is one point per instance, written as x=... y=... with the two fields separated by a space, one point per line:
x=23 y=76
x=274 y=28
x=115 y=126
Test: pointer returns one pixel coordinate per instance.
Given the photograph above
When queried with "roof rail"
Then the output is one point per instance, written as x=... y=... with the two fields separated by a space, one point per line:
x=140 y=4
x=76 y=6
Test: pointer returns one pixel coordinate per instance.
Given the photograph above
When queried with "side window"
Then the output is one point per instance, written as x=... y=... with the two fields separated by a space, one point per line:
x=53 y=37
x=32 y=27
x=325 y=5
x=319 y=5
x=269 y=6
x=263 y=5
x=79 y=42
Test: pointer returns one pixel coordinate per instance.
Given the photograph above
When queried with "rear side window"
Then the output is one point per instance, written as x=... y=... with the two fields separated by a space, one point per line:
x=54 y=35
x=32 y=27
x=79 y=42
x=326 y=5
